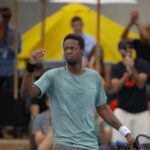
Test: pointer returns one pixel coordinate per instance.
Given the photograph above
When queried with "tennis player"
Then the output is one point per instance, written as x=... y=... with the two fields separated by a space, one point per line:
x=74 y=92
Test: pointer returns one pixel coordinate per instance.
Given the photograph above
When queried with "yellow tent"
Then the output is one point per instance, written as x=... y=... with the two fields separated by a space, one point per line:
x=58 y=25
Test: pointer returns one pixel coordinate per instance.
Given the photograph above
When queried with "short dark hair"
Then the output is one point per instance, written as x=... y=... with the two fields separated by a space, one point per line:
x=76 y=18
x=123 y=44
x=75 y=37
x=2 y=9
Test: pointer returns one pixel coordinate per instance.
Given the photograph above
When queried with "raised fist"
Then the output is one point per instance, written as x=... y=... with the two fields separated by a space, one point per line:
x=134 y=16
x=36 y=56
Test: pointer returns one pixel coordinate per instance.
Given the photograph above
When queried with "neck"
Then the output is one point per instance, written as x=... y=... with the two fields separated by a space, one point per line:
x=80 y=34
x=77 y=69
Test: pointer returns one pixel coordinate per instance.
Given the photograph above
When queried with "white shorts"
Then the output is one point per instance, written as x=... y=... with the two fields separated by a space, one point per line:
x=138 y=123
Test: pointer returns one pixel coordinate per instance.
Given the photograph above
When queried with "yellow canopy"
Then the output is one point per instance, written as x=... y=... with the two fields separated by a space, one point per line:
x=58 y=25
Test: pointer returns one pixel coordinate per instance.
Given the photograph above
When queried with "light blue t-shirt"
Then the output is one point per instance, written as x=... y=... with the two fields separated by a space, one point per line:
x=42 y=123
x=72 y=101
x=89 y=44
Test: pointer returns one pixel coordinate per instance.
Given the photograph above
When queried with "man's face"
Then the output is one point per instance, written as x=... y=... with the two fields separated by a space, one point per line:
x=77 y=27
x=72 y=51
x=6 y=16
x=127 y=51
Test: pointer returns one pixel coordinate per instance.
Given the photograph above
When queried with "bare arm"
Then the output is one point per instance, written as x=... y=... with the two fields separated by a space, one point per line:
x=144 y=34
x=117 y=84
x=133 y=18
x=27 y=89
x=140 y=79
x=111 y=119
x=109 y=116
x=39 y=137
x=105 y=135
x=104 y=132
x=44 y=141
x=124 y=35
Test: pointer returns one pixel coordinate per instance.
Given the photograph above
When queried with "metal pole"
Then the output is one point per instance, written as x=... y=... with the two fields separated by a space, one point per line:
x=15 y=95
x=44 y=4
x=98 y=38
x=98 y=21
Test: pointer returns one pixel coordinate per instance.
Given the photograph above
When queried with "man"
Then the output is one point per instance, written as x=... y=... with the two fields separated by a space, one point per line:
x=42 y=130
x=75 y=91
x=7 y=53
x=142 y=45
x=77 y=26
x=128 y=79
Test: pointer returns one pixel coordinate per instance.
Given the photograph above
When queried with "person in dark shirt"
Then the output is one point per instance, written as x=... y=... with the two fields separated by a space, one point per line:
x=128 y=80
x=142 y=45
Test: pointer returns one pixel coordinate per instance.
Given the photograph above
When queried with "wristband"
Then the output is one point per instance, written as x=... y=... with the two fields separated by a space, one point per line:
x=124 y=131
x=30 y=67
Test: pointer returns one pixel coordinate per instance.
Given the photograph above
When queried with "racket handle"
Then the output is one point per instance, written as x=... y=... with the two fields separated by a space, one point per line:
x=135 y=145
x=122 y=143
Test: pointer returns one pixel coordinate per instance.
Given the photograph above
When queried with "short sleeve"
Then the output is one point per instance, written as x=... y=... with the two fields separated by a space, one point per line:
x=44 y=82
x=144 y=67
x=36 y=125
x=101 y=97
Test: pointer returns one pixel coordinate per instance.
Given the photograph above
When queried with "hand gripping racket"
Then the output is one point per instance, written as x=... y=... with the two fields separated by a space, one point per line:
x=142 y=142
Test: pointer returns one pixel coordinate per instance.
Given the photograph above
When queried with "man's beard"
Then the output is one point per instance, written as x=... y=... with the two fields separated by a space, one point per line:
x=71 y=63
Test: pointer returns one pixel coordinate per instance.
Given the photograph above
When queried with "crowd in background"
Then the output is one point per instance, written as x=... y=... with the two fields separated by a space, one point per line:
x=127 y=80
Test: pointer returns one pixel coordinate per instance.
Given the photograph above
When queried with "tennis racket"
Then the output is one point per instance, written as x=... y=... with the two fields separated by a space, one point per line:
x=142 y=142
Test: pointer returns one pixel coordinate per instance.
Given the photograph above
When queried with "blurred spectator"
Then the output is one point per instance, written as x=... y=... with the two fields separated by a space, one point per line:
x=77 y=26
x=142 y=45
x=103 y=131
x=7 y=53
x=37 y=104
x=42 y=130
x=128 y=79
x=104 y=68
